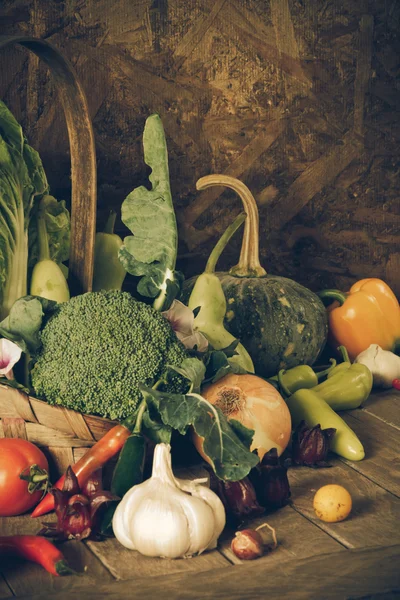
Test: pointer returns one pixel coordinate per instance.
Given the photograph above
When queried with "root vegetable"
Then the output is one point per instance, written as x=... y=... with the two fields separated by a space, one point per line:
x=257 y=405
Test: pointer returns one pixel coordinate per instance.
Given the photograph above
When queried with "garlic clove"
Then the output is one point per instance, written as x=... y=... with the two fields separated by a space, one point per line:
x=125 y=508
x=219 y=515
x=201 y=523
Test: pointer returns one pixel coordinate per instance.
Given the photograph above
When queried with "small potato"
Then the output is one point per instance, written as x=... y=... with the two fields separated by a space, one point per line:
x=332 y=503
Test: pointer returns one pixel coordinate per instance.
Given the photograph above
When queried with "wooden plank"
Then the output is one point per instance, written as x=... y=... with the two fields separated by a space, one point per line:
x=364 y=56
x=297 y=538
x=193 y=37
x=259 y=144
x=129 y=564
x=5 y=591
x=318 y=175
x=350 y=574
x=381 y=443
x=286 y=43
x=25 y=577
x=375 y=514
x=385 y=406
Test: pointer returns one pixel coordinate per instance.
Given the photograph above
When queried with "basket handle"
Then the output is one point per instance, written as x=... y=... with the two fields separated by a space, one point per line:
x=83 y=159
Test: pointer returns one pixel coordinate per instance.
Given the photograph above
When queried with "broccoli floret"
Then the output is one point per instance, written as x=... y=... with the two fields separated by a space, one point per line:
x=96 y=349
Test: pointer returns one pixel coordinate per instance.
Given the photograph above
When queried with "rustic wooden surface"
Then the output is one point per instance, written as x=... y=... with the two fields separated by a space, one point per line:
x=298 y=98
x=356 y=558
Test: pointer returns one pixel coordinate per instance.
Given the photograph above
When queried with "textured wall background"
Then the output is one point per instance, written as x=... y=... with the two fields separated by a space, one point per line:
x=297 y=98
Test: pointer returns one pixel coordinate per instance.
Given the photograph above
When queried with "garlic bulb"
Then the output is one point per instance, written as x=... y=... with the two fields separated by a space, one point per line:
x=383 y=364
x=168 y=517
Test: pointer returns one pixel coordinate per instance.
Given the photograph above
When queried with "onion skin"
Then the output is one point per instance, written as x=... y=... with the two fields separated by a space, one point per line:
x=257 y=405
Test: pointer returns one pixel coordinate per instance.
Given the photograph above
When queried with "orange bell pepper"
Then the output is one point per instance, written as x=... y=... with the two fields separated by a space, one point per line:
x=368 y=314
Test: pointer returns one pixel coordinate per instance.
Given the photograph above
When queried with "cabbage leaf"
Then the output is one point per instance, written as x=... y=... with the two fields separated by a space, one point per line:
x=151 y=251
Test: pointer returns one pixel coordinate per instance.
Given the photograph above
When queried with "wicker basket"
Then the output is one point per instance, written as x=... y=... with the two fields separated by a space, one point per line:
x=63 y=434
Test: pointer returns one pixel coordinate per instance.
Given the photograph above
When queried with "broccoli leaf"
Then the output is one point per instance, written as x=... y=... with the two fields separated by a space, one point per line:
x=219 y=365
x=230 y=457
x=154 y=429
x=192 y=369
x=150 y=252
x=23 y=324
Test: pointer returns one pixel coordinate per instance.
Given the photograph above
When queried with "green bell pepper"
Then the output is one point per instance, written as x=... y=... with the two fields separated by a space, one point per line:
x=348 y=385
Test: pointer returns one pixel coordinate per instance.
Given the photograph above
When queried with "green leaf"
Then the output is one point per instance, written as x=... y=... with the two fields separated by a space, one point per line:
x=191 y=369
x=154 y=429
x=230 y=458
x=23 y=324
x=244 y=434
x=149 y=214
x=219 y=365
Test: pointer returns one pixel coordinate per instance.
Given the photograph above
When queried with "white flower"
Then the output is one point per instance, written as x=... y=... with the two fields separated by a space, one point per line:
x=10 y=354
x=181 y=319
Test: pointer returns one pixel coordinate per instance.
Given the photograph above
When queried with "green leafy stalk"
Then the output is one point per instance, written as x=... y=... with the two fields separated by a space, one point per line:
x=22 y=181
x=227 y=446
x=150 y=253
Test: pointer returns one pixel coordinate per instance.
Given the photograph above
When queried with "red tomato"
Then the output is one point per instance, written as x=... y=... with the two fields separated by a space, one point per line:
x=17 y=456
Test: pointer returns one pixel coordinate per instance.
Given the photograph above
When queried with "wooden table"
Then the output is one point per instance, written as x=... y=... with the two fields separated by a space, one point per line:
x=357 y=558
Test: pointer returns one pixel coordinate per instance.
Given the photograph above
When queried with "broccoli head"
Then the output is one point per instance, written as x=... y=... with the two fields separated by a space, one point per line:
x=96 y=349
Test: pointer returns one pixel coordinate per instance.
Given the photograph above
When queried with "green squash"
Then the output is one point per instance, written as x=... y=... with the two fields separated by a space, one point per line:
x=281 y=323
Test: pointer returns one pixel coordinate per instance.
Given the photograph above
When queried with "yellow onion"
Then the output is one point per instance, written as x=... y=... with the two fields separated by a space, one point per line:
x=257 y=405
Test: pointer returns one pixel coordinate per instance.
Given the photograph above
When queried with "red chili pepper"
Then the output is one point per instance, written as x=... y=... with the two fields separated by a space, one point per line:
x=36 y=549
x=96 y=457
x=396 y=384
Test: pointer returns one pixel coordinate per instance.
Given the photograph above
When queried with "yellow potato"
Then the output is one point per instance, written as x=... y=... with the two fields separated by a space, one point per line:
x=332 y=503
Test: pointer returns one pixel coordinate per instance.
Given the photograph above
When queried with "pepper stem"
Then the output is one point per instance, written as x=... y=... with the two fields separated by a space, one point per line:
x=63 y=568
x=110 y=224
x=139 y=418
x=282 y=385
x=322 y=374
x=249 y=261
x=333 y=295
x=223 y=242
x=344 y=353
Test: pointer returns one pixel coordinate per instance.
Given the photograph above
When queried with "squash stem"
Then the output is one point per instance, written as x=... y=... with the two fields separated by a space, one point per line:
x=249 y=261
x=223 y=242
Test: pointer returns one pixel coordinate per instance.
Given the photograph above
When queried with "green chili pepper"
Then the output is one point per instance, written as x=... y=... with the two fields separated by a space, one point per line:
x=348 y=385
x=307 y=405
x=128 y=471
x=301 y=377
x=129 y=468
